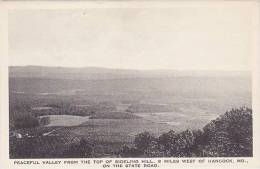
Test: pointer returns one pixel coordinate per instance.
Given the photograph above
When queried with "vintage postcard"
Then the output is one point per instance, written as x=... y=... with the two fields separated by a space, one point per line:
x=127 y=84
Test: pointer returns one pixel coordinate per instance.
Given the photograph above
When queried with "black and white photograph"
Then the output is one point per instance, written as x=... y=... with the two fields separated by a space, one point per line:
x=131 y=82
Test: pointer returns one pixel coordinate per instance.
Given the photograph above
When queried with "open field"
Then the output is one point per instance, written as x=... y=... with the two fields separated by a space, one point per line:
x=117 y=130
x=65 y=120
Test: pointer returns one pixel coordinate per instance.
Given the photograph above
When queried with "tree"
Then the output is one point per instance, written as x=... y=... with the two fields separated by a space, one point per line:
x=79 y=150
x=25 y=121
x=127 y=151
x=166 y=141
x=199 y=142
x=177 y=145
x=154 y=150
x=230 y=135
x=143 y=140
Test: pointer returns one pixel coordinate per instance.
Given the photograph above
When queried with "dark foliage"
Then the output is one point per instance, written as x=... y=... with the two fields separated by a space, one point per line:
x=143 y=140
x=230 y=135
x=127 y=151
x=75 y=150
x=177 y=144
x=25 y=121
x=36 y=147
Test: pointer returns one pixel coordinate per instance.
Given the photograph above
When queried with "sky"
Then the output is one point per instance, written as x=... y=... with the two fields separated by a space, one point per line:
x=188 y=38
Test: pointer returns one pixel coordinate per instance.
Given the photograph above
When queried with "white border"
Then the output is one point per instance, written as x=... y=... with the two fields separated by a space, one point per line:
x=5 y=162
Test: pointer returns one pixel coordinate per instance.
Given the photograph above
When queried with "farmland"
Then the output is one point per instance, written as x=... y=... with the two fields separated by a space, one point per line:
x=64 y=120
x=109 y=111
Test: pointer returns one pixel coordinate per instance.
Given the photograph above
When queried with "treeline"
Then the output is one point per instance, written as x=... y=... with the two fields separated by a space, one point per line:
x=23 y=115
x=230 y=135
x=29 y=107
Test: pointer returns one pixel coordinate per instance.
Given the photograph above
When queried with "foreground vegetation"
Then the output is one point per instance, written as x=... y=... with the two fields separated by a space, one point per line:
x=230 y=135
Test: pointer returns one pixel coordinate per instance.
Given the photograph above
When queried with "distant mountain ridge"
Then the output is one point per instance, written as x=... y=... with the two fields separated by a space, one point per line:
x=108 y=73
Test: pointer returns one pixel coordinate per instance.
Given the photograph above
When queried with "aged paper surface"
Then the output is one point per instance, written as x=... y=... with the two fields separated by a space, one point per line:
x=127 y=84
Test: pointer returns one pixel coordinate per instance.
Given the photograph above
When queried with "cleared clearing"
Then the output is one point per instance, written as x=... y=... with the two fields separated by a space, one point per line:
x=65 y=120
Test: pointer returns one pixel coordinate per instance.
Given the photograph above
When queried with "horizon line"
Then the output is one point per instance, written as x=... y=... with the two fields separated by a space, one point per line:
x=136 y=69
